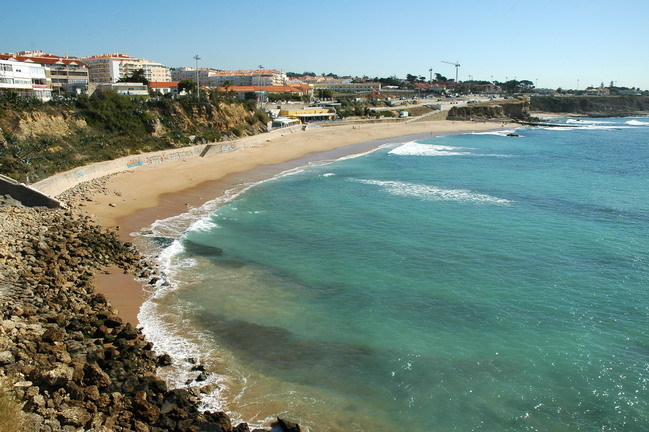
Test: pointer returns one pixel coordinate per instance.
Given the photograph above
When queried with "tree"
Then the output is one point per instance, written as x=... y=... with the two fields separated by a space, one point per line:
x=137 y=76
x=440 y=78
x=187 y=85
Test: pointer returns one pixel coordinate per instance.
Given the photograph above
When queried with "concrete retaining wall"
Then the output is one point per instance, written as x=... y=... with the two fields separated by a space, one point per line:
x=61 y=182
x=26 y=195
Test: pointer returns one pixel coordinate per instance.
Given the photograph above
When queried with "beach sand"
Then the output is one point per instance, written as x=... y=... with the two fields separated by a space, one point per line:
x=135 y=199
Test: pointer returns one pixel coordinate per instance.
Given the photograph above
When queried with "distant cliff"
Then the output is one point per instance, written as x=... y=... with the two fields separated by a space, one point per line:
x=505 y=111
x=594 y=106
x=40 y=139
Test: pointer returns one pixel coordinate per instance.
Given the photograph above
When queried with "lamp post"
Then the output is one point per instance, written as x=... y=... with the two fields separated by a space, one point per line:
x=198 y=85
x=259 y=83
x=470 y=81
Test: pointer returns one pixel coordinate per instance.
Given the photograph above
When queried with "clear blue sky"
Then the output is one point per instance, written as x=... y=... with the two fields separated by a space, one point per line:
x=556 y=42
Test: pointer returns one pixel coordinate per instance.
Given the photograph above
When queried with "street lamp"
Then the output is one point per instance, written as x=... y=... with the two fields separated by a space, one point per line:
x=198 y=85
x=259 y=83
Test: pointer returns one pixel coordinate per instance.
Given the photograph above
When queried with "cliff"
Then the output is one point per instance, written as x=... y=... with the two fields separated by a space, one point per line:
x=592 y=106
x=505 y=111
x=38 y=140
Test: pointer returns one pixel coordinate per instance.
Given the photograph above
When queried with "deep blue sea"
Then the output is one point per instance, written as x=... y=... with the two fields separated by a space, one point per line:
x=476 y=282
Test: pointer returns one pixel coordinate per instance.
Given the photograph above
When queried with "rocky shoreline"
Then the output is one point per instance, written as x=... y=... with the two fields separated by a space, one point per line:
x=71 y=362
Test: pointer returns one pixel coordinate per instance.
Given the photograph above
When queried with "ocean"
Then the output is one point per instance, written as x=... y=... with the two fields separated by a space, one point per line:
x=474 y=282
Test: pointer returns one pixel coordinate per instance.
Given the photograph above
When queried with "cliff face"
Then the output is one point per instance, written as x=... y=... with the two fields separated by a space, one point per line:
x=504 y=111
x=594 y=106
x=38 y=140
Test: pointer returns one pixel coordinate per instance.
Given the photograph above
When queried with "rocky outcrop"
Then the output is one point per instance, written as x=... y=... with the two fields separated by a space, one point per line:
x=72 y=361
x=592 y=106
x=501 y=112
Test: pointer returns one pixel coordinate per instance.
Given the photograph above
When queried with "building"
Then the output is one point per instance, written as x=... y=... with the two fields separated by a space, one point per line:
x=219 y=78
x=190 y=73
x=309 y=114
x=124 y=88
x=261 y=91
x=67 y=74
x=109 y=68
x=348 y=87
x=164 y=87
x=26 y=79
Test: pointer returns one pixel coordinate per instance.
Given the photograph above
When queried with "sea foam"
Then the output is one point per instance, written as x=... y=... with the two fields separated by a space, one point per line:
x=433 y=193
x=415 y=148
x=637 y=123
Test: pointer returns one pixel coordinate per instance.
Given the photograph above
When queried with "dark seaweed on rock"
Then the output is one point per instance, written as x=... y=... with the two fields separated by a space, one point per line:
x=73 y=362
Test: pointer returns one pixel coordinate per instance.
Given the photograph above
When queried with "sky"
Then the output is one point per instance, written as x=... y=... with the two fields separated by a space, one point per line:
x=570 y=44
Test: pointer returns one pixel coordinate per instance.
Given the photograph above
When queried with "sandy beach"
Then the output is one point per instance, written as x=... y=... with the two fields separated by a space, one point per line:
x=134 y=199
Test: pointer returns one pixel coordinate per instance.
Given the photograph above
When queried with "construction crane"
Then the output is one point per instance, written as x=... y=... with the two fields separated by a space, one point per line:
x=457 y=67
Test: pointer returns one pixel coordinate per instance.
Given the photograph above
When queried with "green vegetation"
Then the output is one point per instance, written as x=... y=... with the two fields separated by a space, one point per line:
x=106 y=126
x=136 y=76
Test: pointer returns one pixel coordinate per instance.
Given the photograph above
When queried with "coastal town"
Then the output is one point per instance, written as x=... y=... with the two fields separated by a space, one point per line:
x=45 y=76
x=94 y=151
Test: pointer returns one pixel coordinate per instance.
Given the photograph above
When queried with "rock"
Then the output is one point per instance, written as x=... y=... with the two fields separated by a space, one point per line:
x=94 y=375
x=164 y=360
x=6 y=357
x=59 y=376
x=145 y=410
x=285 y=426
x=74 y=416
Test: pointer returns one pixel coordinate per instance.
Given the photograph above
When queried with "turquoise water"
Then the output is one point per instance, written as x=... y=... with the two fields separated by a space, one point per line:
x=470 y=282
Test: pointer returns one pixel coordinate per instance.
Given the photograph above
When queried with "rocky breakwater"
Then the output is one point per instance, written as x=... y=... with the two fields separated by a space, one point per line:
x=70 y=360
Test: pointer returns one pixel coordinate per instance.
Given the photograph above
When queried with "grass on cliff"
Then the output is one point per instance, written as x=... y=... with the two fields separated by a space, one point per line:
x=117 y=126
x=11 y=415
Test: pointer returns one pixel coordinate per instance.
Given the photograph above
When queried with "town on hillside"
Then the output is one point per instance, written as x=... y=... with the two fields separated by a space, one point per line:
x=36 y=74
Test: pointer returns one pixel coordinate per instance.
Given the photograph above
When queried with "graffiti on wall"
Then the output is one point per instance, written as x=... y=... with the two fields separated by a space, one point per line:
x=158 y=158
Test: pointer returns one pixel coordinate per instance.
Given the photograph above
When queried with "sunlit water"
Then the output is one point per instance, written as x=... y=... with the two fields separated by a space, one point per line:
x=472 y=282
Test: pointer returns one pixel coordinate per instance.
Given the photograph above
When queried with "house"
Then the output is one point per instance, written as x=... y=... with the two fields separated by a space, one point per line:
x=164 y=87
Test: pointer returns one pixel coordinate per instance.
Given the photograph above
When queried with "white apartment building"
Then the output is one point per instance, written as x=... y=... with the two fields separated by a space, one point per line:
x=109 y=68
x=217 y=78
x=65 y=73
x=190 y=73
x=26 y=79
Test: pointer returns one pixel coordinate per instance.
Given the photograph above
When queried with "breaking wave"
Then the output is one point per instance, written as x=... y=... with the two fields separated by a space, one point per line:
x=433 y=193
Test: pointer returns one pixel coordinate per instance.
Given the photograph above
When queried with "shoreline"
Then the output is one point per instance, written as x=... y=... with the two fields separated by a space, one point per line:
x=131 y=200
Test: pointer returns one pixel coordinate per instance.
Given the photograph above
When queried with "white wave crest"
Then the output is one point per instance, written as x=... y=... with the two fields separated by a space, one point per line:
x=433 y=193
x=637 y=123
x=415 y=148
x=586 y=127
x=497 y=133
x=592 y=122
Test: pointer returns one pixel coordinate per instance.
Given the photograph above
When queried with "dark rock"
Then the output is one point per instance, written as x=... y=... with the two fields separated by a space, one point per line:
x=144 y=409
x=164 y=360
x=285 y=426
x=53 y=335
x=94 y=375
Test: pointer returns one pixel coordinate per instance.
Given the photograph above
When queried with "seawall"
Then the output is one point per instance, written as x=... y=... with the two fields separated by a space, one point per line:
x=28 y=196
x=59 y=183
